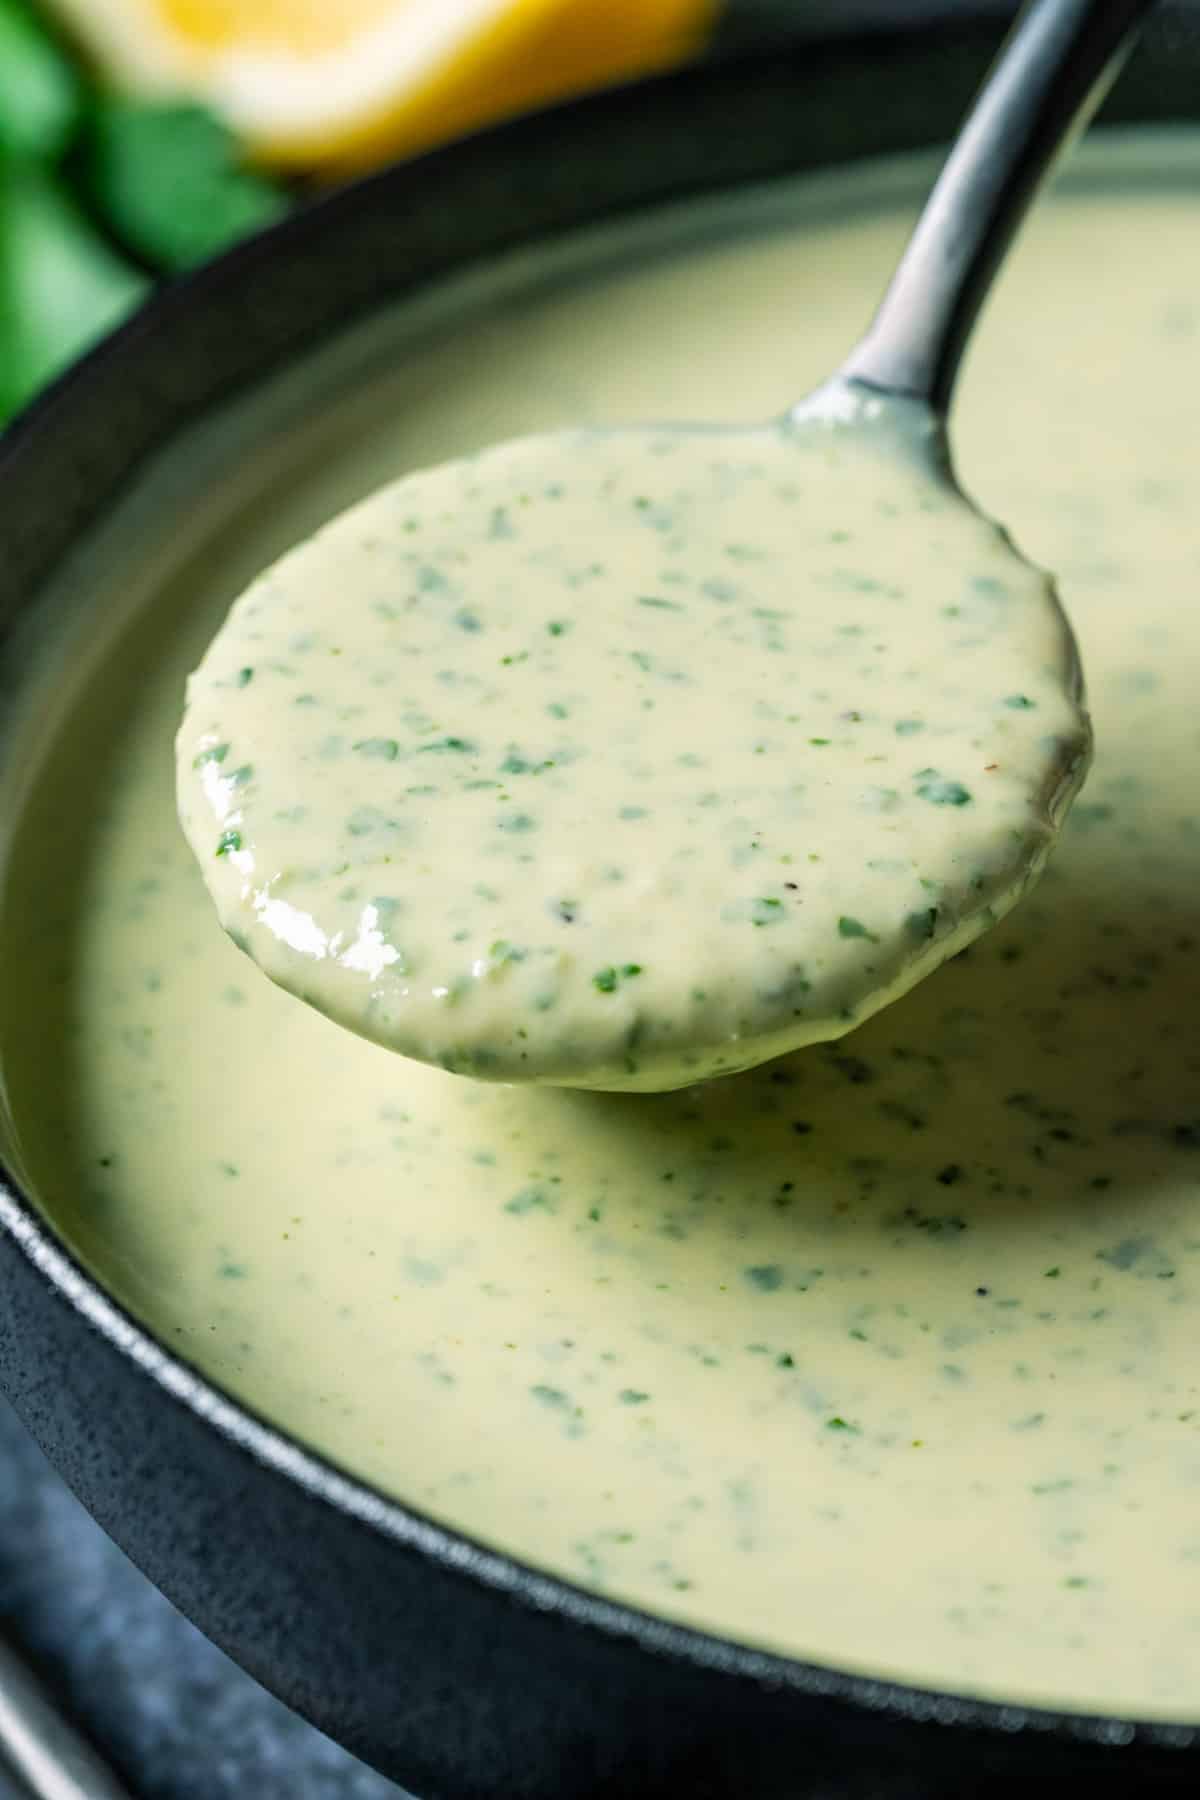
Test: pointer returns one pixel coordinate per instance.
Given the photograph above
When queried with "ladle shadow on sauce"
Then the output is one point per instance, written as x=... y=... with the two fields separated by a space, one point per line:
x=1030 y=1087
x=1015 y=1133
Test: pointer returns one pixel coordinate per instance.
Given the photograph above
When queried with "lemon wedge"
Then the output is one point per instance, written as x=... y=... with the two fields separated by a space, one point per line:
x=306 y=84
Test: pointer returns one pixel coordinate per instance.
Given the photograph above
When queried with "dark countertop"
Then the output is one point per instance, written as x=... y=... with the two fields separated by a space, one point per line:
x=174 y=1716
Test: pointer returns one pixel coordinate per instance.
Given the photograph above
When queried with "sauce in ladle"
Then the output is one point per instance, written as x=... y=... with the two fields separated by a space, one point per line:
x=632 y=757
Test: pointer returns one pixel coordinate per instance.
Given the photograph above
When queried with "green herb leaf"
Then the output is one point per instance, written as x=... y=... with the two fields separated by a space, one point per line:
x=39 y=91
x=168 y=181
x=61 y=287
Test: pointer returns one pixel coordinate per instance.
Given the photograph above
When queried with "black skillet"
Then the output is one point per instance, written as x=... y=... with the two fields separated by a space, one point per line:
x=459 y=1672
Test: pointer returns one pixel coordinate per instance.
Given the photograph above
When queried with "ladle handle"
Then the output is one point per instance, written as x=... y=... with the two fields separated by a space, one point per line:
x=1054 y=69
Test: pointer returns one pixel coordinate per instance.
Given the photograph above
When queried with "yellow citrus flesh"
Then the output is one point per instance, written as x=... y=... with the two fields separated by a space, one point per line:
x=306 y=28
x=557 y=51
x=310 y=85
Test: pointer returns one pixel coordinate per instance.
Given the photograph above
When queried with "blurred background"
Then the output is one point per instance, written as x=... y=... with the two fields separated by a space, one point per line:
x=138 y=137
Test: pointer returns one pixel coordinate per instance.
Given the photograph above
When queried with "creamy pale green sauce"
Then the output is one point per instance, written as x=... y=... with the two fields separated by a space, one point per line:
x=884 y=1354
x=626 y=758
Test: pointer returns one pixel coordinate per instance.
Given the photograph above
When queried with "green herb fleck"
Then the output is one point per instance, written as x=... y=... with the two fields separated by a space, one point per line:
x=549 y=1396
x=217 y=754
x=531 y=1199
x=933 y=787
x=923 y=924
x=504 y=952
x=766 y=1277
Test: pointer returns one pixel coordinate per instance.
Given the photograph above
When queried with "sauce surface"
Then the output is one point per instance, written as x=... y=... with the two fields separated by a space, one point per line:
x=622 y=759
x=882 y=1355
